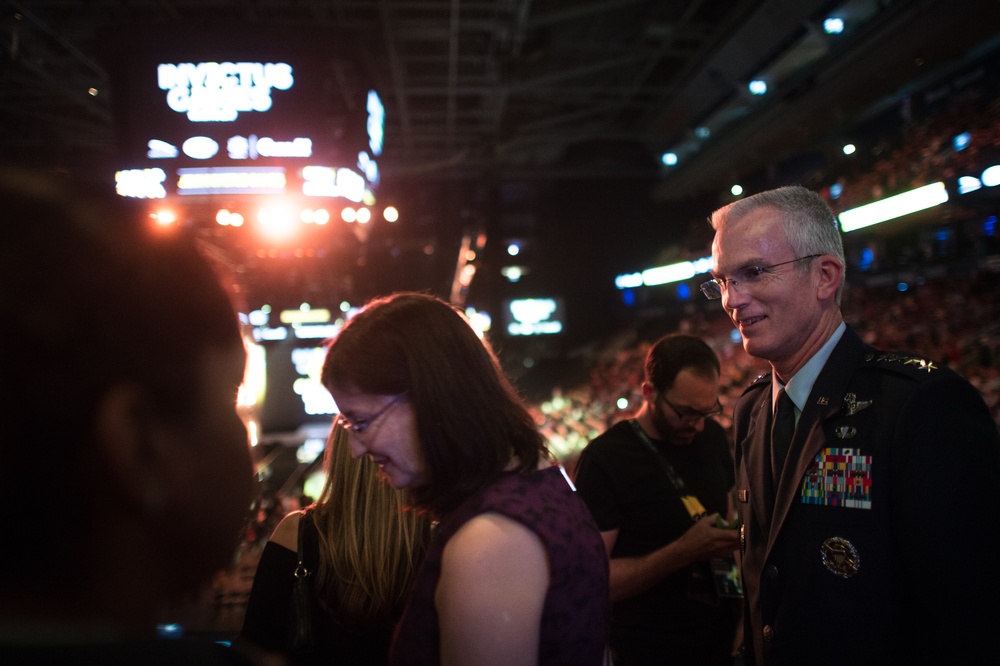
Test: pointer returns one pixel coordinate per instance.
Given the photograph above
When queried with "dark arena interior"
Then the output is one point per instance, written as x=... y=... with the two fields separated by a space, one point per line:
x=547 y=165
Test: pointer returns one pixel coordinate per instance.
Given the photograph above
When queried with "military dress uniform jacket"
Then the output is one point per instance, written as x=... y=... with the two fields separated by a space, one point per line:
x=878 y=545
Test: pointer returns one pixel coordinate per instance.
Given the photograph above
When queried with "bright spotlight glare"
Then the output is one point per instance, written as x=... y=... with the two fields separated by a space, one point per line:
x=513 y=249
x=349 y=214
x=364 y=215
x=228 y=218
x=757 y=87
x=277 y=221
x=321 y=216
x=991 y=176
x=670 y=159
x=512 y=273
x=833 y=26
x=165 y=217
x=390 y=214
x=968 y=184
x=849 y=149
x=737 y=190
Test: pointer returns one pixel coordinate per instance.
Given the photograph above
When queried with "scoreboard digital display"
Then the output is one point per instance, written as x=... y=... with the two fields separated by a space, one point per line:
x=249 y=114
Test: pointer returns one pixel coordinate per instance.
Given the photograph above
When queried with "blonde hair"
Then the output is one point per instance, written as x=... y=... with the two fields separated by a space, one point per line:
x=370 y=543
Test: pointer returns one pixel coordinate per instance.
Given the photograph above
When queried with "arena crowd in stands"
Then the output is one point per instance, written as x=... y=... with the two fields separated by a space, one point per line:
x=924 y=151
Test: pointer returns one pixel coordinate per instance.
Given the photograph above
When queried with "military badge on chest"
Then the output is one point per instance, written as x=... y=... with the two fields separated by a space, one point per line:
x=840 y=557
x=852 y=405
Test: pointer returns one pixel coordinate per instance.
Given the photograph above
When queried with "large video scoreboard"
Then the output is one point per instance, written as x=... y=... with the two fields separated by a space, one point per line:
x=250 y=113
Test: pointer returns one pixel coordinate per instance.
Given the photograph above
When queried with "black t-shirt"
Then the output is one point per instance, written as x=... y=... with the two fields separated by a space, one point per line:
x=626 y=488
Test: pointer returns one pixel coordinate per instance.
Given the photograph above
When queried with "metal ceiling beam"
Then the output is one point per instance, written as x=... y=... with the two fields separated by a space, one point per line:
x=452 y=73
x=395 y=69
x=579 y=11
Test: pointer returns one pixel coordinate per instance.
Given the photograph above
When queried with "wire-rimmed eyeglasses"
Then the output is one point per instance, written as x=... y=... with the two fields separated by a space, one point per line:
x=360 y=425
x=746 y=276
x=688 y=415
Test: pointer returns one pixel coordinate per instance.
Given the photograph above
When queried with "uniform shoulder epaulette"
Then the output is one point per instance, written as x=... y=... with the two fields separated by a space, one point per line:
x=901 y=362
x=762 y=380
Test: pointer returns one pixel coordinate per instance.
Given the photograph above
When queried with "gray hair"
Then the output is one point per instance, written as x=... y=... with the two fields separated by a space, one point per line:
x=809 y=224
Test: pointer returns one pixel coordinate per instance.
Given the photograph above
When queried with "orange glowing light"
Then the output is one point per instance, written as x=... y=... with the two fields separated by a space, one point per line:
x=164 y=217
x=277 y=222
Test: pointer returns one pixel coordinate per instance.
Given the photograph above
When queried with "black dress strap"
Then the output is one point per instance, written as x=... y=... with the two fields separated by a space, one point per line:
x=302 y=594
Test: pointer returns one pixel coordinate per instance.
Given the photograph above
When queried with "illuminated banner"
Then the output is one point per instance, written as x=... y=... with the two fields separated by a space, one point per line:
x=217 y=92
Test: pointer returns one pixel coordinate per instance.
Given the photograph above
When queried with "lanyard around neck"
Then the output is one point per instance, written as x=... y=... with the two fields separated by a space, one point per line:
x=675 y=478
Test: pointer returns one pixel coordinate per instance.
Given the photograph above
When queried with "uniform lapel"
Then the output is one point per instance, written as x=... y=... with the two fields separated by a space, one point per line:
x=825 y=401
x=758 y=465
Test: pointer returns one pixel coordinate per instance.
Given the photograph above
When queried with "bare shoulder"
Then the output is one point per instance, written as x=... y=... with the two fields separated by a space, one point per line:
x=491 y=593
x=491 y=541
x=287 y=532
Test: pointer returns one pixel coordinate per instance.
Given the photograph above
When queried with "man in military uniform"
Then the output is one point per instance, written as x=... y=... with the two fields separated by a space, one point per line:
x=864 y=478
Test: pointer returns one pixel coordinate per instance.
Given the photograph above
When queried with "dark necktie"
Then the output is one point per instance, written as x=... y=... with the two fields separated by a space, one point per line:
x=781 y=434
